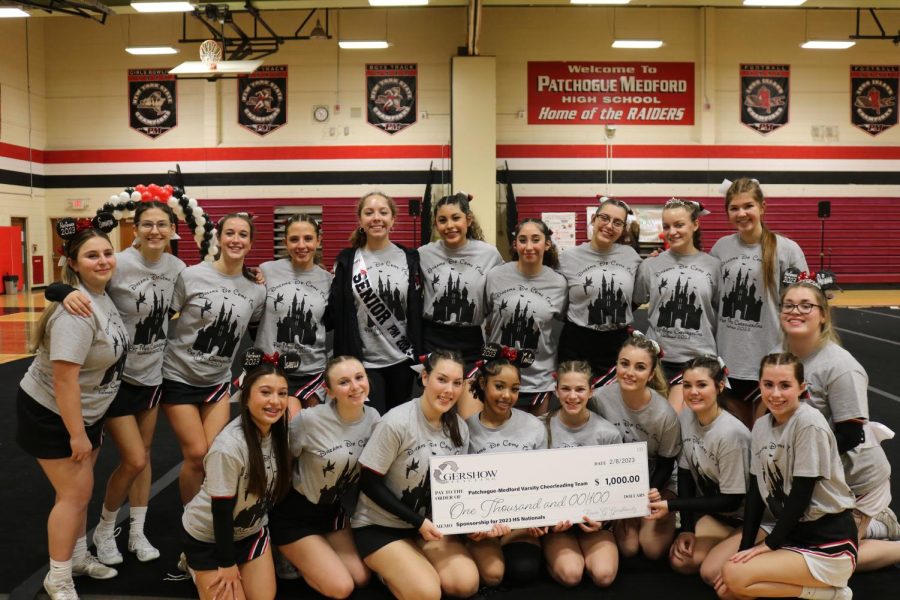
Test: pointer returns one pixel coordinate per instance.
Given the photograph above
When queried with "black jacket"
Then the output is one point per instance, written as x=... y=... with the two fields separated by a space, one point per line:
x=342 y=307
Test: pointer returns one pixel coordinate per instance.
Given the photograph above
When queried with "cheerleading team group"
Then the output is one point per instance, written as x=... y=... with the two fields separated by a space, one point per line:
x=777 y=474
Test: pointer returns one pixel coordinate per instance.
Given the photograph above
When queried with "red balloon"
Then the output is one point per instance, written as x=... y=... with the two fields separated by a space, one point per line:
x=146 y=196
x=141 y=188
x=164 y=194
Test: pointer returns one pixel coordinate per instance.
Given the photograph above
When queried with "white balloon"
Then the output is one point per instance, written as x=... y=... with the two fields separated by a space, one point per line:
x=192 y=202
x=173 y=203
x=114 y=199
x=117 y=214
x=136 y=196
x=200 y=221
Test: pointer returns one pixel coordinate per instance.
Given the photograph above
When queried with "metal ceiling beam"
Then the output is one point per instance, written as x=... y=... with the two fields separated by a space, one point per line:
x=883 y=35
x=88 y=9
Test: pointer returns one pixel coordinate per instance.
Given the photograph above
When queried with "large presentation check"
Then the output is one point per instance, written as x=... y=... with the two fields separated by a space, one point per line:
x=540 y=487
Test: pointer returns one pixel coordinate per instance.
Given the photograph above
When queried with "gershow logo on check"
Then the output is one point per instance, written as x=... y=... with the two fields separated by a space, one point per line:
x=448 y=472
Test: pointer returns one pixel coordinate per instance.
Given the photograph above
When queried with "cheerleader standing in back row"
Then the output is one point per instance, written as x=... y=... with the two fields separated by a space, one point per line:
x=393 y=533
x=636 y=406
x=514 y=557
x=713 y=469
x=753 y=261
x=64 y=395
x=600 y=277
x=141 y=289
x=296 y=298
x=375 y=303
x=217 y=302
x=453 y=276
x=591 y=546
x=837 y=386
x=225 y=537
x=682 y=287
x=310 y=527
x=811 y=552
x=523 y=297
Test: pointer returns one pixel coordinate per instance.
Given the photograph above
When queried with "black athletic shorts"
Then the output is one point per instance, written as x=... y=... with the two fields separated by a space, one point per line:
x=133 y=399
x=175 y=392
x=201 y=556
x=295 y=518
x=41 y=432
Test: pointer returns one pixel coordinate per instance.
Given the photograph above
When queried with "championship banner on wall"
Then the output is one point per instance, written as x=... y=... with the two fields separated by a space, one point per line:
x=873 y=97
x=152 y=101
x=262 y=99
x=765 y=96
x=600 y=93
x=391 y=96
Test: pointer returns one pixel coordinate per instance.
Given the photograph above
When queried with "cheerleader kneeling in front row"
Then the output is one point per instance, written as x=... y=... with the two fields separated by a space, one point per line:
x=226 y=534
x=811 y=551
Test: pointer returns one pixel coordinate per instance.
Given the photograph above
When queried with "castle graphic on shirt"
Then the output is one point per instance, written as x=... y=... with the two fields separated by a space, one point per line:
x=219 y=337
x=418 y=496
x=392 y=298
x=348 y=477
x=741 y=301
x=454 y=304
x=520 y=330
x=253 y=514
x=298 y=325
x=152 y=327
x=610 y=307
x=120 y=344
x=774 y=481
x=681 y=309
x=707 y=485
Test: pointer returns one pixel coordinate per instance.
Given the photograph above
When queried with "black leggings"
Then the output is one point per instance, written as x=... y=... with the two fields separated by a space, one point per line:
x=390 y=386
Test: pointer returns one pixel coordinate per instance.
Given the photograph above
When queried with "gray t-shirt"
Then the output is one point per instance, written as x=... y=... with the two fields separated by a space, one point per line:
x=453 y=281
x=98 y=343
x=327 y=450
x=748 y=317
x=656 y=423
x=520 y=314
x=227 y=476
x=142 y=291
x=521 y=431
x=717 y=455
x=600 y=285
x=802 y=447
x=400 y=448
x=215 y=311
x=682 y=291
x=388 y=274
x=596 y=431
x=292 y=320
x=838 y=388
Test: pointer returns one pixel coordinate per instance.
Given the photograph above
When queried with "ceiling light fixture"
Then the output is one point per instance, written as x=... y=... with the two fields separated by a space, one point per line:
x=10 y=12
x=773 y=3
x=828 y=44
x=318 y=33
x=638 y=44
x=398 y=2
x=363 y=44
x=225 y=67
x=148 y=50
x=162 y=7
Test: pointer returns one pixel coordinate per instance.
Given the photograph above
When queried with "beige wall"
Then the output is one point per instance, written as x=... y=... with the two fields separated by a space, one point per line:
x=69 y=90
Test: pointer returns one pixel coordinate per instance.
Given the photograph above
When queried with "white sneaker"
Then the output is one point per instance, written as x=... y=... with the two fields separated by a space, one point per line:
x=107 y=549
x=140 y=546
x=844 y=593
x=61 y=591
x=889 y=519
x=93 y=568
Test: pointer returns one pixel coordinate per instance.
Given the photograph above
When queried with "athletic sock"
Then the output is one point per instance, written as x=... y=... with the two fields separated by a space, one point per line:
x=136 y=517
x=818 y=593
x=107 y=524
x=80 y=552
x=60 y=571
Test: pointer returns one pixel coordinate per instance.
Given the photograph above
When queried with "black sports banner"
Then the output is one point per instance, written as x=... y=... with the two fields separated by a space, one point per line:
x=262 y=99
x=152 y=101
x=765 y=96
x=873 y=97
x=391 y=96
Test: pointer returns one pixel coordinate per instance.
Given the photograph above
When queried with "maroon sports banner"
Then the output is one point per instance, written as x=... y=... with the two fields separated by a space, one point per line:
x=873 y=97
x=600 y=93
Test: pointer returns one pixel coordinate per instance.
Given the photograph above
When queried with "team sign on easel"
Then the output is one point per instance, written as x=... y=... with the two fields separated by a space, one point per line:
x=600 y=93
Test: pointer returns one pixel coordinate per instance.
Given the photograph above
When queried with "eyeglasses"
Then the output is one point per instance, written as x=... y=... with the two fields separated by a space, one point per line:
x=605 y=219
x=804 y=308
x=149 y=225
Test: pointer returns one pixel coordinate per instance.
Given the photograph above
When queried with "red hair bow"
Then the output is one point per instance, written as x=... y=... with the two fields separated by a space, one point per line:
x=509 y=353
x=82 y=224
x=270 y=358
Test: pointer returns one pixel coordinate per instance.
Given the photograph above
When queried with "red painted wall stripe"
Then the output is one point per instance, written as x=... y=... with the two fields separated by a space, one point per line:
x=681 y=151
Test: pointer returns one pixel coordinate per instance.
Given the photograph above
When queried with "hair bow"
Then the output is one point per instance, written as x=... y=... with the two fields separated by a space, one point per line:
x=639 y=334
x=271 y=358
